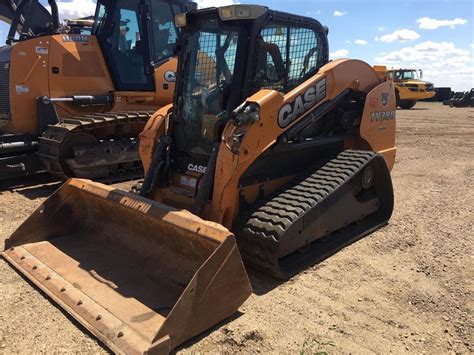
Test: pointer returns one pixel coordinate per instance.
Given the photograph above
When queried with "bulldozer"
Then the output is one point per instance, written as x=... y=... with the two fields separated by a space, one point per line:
x=73 y=103
x=271 y=157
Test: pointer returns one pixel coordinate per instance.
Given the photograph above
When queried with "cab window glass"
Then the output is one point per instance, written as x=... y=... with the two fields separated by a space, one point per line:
x=410 y=75
x=120 y=34
x=303 y=54
x=164 y=31
x=127 y=43
x=271 y=66
x=210 y=55
x=129 y=31
x=99 y=18
x=287 y=56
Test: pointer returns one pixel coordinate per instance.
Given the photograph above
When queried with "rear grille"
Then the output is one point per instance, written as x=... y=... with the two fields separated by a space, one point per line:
x=5 y=90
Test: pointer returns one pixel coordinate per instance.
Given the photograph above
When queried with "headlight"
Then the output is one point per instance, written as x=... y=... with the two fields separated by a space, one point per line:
x=241 y=12
x=247 y=113
x=180 y=20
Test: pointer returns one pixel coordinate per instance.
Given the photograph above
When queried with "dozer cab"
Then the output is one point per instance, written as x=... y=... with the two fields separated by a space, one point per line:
x=73 y=104
x=266 y=138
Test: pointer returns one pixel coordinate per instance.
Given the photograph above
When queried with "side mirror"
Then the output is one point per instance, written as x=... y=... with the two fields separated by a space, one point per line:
x=421 y=74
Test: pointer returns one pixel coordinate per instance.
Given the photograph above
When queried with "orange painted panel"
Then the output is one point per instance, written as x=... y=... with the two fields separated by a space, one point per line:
x=165 y=81
x=28 y=80
x=378 y=123
x=82 y=68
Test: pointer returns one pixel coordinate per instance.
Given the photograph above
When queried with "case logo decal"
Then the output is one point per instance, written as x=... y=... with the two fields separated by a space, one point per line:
x=304 y=102
x=170 y=76
x=197 y=168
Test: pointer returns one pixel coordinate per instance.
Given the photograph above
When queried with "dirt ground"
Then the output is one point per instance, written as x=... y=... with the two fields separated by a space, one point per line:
x=405 y=288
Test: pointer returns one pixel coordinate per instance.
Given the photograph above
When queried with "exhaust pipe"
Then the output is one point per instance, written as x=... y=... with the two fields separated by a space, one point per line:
x=54 y=14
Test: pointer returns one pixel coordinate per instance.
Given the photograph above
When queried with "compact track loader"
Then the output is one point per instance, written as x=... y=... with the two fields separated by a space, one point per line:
x=266 y=138
x=74 y=104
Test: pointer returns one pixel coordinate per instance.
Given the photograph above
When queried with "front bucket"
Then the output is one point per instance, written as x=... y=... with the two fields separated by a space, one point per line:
x=141 y=276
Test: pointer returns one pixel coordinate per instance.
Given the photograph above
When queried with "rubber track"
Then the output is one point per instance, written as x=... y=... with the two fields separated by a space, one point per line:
x=51 y=140
x=263 y=228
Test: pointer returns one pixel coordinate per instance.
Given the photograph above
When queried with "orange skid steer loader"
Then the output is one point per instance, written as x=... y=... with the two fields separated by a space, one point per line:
x=266 y=138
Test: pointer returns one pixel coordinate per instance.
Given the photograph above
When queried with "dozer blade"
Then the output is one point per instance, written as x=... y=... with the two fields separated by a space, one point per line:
x=141 y=276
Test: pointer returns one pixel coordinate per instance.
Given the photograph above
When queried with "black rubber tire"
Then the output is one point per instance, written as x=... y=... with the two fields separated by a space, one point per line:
x=407 y=104
x=444 y=94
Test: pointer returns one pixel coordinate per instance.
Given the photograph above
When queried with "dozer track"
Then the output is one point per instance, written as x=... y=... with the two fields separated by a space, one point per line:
x=99 y=146
x=311 y=220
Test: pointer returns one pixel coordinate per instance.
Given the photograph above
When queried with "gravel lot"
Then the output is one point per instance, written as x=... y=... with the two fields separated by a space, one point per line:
x=405 y=288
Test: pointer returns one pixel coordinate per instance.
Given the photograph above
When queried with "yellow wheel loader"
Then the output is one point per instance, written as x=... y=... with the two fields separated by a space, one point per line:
x=74 y=104
x=270 y=152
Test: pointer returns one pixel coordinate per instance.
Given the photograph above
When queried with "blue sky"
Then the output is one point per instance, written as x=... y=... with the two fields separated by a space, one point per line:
x=436 y=36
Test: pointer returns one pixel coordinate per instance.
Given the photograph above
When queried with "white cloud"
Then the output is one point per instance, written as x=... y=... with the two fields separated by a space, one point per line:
x=348 y=42
x=361 y=42
x=312 y=13
x=339 y=13
x=442 y=62
x=215 y=3
x=340 y=53
x=428 y=23
x=400 y=35
x=426 y=52
x=82 y=8
x=381 y=28
x=75 y=8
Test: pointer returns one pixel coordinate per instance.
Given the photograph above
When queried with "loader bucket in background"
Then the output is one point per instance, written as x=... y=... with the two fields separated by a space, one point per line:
x=139 y=275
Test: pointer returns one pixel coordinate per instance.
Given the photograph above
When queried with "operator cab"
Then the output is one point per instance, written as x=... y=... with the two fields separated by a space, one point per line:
x=404 y=74
x=229 y=54
x=135 y=36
